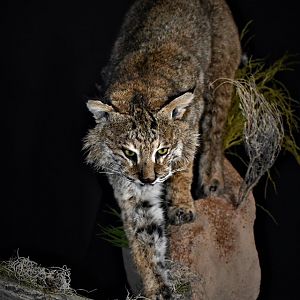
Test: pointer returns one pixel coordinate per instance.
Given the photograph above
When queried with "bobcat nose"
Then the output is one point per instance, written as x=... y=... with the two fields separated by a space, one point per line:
x=147 y=174
x=147 y=180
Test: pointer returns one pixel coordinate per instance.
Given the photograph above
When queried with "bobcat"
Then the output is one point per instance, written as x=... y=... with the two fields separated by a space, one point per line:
x=157 y=101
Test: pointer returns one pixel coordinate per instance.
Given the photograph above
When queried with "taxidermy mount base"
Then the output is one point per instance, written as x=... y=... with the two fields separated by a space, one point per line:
x=216 y=253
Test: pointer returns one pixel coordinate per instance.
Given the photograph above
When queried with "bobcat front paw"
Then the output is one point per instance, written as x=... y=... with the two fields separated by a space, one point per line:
x=181 y=214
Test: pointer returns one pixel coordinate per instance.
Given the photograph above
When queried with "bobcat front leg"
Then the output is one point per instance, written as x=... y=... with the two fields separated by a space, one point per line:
x=181 y=208
x=144 y=226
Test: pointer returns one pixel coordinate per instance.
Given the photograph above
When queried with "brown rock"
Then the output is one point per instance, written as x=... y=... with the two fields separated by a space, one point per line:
x=219 y=247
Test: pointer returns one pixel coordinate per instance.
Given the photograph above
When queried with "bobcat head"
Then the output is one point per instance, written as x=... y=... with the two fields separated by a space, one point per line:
x=143 y=145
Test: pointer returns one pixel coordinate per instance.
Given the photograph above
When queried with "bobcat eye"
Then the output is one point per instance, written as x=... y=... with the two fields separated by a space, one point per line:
x=162 y=151
x=130 y=154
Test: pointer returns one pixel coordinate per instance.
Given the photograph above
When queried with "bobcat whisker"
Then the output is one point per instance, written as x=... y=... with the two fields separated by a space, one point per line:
x=112 y=171
x=132 y=180
x=164 y=178
x=107 y=173
x=177 y=170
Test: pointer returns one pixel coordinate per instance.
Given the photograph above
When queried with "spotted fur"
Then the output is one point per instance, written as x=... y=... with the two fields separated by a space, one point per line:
x=157 y=100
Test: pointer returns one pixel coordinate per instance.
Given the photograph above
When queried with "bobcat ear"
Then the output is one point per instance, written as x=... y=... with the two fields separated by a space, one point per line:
x=99 y=109
x=177 y=107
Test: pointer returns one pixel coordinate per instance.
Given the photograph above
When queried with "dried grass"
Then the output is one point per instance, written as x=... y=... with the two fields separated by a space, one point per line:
x=54 y=280
x=182 y=279
x=138 y=297
x=263 y=132
x=255 y=71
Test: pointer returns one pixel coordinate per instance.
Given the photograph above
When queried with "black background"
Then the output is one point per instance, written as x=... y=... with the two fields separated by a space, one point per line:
x=51 y=202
